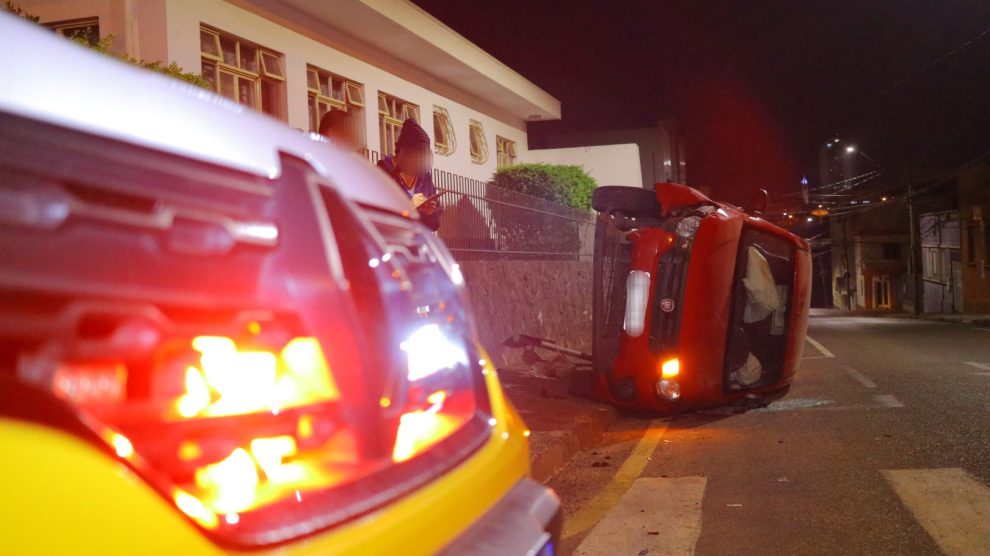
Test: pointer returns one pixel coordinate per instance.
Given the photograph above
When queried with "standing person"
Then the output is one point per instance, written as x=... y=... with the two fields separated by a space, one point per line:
x=338 y=127
x=412 y=169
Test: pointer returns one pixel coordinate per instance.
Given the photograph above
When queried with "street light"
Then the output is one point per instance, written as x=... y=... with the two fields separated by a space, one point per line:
x=851 y=149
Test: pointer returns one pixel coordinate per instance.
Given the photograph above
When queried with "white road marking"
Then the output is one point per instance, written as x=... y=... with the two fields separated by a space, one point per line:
x=983 y=329
x=886 y=400
x=980 y=374
x=630 y=470
x=950 y=504
x=859 y=377
x=824 y=350
x=980 y=366
x=660 y=515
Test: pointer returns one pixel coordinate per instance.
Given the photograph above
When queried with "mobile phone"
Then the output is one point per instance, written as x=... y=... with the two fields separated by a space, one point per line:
x=434 y=197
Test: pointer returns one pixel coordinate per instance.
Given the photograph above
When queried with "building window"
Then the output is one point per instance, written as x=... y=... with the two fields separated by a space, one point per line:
x=479 y=146
x=505 y=152
x=87 y=29
x=444 y=141
x=329 y=91
x=392 y=111
x=243 y=71
x=891 y=251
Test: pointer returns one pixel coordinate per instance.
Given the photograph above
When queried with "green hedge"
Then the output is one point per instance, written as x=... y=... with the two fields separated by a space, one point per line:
x=567 y=185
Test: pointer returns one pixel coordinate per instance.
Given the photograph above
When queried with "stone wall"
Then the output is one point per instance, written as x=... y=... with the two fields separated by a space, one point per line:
x=547 y=299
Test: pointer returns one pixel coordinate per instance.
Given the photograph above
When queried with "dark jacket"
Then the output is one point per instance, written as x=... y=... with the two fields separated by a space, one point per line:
x=424 y=185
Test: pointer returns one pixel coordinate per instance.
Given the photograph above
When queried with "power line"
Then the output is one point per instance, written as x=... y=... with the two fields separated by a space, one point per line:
x=924 y=68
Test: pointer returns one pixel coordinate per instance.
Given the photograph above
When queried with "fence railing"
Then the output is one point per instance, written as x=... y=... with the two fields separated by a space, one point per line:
x=483 y=222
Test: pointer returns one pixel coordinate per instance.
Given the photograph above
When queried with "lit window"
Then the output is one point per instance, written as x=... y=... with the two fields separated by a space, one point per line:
x=505 y=152
x=392 y=111
x=329 y=91
x=87 y=29
x=479 y=146
x=444 y=142
x=242 y=71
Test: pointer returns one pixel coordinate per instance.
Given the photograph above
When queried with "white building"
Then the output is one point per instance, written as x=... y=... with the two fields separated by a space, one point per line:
x=381 y=60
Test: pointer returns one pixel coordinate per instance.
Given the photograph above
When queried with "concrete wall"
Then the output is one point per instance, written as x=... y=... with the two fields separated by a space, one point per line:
x=168 y=30
x=548 y=299
x=608 y=164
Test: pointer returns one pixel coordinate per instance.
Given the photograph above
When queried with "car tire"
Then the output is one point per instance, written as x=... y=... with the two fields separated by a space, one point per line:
x=633 y=202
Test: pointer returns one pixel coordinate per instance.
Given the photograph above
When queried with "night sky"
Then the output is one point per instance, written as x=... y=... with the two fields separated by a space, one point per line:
x=757 y=86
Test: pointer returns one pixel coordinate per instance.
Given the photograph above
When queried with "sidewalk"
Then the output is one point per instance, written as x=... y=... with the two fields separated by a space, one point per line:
x=562 y=423
x=958 y=318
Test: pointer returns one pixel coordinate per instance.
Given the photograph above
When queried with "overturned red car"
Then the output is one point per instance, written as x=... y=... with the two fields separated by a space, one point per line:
x=696 y=303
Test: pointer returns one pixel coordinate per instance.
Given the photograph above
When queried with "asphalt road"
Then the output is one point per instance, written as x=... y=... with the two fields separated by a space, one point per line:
x=882 y=446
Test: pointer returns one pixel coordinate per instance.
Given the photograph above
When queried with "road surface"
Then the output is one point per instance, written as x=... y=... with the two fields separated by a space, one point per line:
x=882 y=446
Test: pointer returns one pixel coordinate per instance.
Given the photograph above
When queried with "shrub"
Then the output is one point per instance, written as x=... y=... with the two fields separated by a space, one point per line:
x=544 y=227
x=567 y=185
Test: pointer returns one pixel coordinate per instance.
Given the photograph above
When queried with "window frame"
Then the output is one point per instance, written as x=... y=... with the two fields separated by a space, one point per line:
x=318 y=97
x=505 y=152
x=445 y=142
x=392 y=111
x=84 y=25
x=478 y=144
x=260 y=76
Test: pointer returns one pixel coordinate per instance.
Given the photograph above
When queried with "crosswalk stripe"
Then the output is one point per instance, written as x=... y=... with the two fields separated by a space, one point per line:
x=655 y=516
x=952 y=506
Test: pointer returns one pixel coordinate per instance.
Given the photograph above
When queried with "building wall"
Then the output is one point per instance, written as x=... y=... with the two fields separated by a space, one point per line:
x=858 y=240
x=168 y=30
x=974 y=200
x=608 y=164
x=661 y=148
x=941 y=262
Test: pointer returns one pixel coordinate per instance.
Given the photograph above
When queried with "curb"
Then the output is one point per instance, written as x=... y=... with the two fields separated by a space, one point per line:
x=549 y=451
x=562 y=423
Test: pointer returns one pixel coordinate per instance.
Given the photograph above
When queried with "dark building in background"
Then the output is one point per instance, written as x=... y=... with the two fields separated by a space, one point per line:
x=835 y=163
x=974 y=208
x=870 y=256
x=661 y=147
x=941 y=262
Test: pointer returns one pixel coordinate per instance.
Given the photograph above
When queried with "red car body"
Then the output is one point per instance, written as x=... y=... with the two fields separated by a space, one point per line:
x=699 y=308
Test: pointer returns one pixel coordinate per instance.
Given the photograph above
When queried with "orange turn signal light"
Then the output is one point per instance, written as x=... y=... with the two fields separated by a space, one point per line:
x=670 y=368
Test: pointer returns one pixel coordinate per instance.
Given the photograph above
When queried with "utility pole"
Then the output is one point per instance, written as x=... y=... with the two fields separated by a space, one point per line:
x=915 y=275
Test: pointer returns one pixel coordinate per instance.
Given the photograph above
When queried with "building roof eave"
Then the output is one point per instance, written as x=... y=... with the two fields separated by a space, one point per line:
x=412 y=36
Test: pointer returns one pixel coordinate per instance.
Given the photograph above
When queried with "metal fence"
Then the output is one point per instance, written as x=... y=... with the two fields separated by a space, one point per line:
x=484 y=222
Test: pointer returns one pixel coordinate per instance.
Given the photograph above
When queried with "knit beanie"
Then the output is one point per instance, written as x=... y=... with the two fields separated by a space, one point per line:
x=411 y=134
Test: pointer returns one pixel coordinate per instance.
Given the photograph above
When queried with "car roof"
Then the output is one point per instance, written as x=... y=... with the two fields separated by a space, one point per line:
x=54 y=80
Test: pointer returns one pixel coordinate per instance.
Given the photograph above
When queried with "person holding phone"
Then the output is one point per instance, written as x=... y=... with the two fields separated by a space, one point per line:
x=412 y=169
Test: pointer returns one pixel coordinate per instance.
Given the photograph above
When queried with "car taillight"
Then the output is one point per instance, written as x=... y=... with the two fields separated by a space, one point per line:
x=230 y=427
x=440 y=398
x=221 y=427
